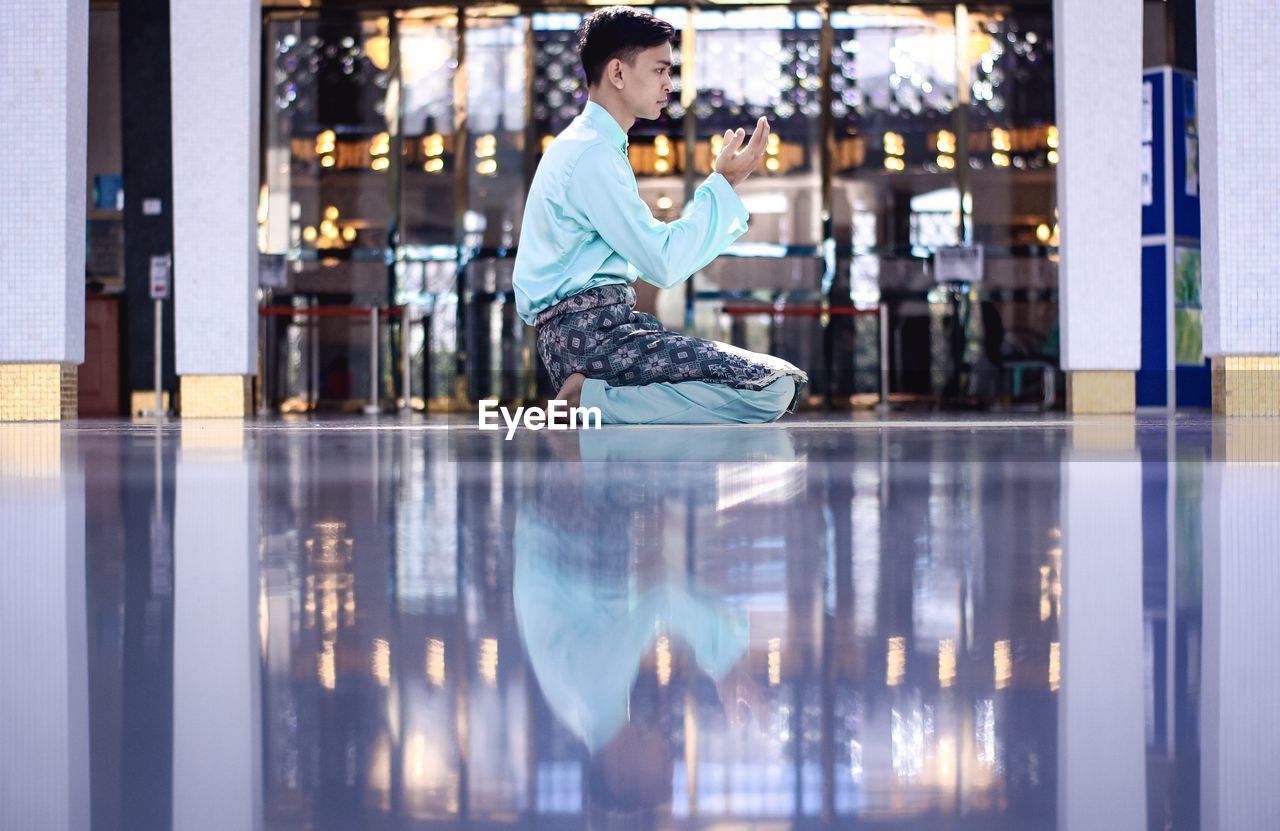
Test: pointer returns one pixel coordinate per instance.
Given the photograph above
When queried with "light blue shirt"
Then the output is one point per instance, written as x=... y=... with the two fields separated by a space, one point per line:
x=585 y=224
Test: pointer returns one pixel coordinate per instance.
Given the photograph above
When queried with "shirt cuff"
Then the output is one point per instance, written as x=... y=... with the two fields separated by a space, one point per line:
x=728 y=198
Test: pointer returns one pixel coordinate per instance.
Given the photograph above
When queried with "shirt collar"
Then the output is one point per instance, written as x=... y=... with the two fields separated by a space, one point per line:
x=608 y=126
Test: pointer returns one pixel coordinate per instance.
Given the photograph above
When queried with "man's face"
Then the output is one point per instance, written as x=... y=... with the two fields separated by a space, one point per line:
x=647 y=81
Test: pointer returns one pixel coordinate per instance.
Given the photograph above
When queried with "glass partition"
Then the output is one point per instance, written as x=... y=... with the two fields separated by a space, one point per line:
x=428 y=65
x=1014 y=151
x=940 y=132
x=753 y=62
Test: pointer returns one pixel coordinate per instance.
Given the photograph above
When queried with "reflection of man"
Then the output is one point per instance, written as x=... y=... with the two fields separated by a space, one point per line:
x=588 y=614
x=587 y=235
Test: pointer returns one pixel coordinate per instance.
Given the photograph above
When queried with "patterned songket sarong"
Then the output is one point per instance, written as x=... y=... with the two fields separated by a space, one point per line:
x=599 y=333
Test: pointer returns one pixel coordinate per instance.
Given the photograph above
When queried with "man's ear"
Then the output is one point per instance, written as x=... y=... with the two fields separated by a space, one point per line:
x=613 y=72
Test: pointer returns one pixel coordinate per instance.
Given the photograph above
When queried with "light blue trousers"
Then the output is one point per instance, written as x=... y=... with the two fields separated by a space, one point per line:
x=688 y=402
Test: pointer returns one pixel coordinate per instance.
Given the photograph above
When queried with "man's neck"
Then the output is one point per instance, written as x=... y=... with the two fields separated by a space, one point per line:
x=616 y=109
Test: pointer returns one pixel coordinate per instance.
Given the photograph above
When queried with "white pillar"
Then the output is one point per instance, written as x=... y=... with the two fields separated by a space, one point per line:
x=217 y=729
x=1101 y=738
x=216 y=49
x=44 y=697
x=1240 y=725
x=1099 y=104
x=1240 y=200
x=44 y=54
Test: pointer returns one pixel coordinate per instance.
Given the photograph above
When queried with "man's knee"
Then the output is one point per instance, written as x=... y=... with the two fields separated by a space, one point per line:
x=780 y=395
x=771 y=402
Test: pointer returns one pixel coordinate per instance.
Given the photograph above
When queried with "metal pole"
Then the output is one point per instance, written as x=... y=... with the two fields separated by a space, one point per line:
x=406 y=355
x=372 y=407
x=313 y=355
x=884 y=356
x=264 y=350
x=157 y=364
x=688 y=96
x=960 y=119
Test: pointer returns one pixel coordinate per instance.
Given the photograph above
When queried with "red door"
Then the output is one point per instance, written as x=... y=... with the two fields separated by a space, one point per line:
x=99 y=375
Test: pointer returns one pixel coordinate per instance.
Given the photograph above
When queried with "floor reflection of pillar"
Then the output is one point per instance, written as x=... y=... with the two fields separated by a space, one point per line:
x=44 y=703
x=1240 y=726
x=217 y=731
x=1101 y=743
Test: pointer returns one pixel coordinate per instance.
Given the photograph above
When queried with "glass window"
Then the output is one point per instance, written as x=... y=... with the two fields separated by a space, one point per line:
x=428 y=66
x=328 y=151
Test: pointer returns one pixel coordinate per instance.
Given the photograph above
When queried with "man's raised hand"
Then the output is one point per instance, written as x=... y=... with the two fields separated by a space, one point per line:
x=737 y=166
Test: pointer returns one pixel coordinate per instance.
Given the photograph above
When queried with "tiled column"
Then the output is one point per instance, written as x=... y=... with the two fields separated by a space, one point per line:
x=44 y=694
x=1240 y=668
x=1240 y=201
x=44 y=55
x=1099 y=104
x=215 y=57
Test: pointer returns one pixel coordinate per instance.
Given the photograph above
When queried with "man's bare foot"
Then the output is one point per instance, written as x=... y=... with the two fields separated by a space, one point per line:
x=572 y=389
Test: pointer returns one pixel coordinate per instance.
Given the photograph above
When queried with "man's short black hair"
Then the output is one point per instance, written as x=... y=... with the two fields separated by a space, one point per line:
x=618 y=32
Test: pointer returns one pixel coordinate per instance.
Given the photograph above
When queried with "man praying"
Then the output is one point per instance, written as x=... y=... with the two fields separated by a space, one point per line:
x=587 y=235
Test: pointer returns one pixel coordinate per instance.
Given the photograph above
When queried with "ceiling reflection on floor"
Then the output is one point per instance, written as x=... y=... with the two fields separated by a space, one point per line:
x=958 y=625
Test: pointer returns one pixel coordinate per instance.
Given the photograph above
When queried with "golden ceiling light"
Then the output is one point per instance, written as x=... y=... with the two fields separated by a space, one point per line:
x=309 y=233
x=501 y=11
x=380 y=145
x=946 y=162
x=1000 y=159
x=662 y=146
x=331 y=213
x=487 y=167
x=327 y=161
x=661 y=166
x=1051 y=137
x=349 y=234
x=894 y=144
x=772 y=163
x=1053 y=157
x=325 y=142
x=378 y=48
x=946 y=141
x=434 y=165
x=380 y=163
x=979 y=42
x=894 y=163
x=433 y=145
x=1000 y=140
x=717 y=144
x=664 y=203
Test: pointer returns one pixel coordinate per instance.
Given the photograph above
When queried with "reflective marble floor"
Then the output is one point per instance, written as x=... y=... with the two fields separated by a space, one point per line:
x=911 y=623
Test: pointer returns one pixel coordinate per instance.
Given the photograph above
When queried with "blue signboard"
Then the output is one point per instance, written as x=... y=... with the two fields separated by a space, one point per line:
x=1174 y=370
